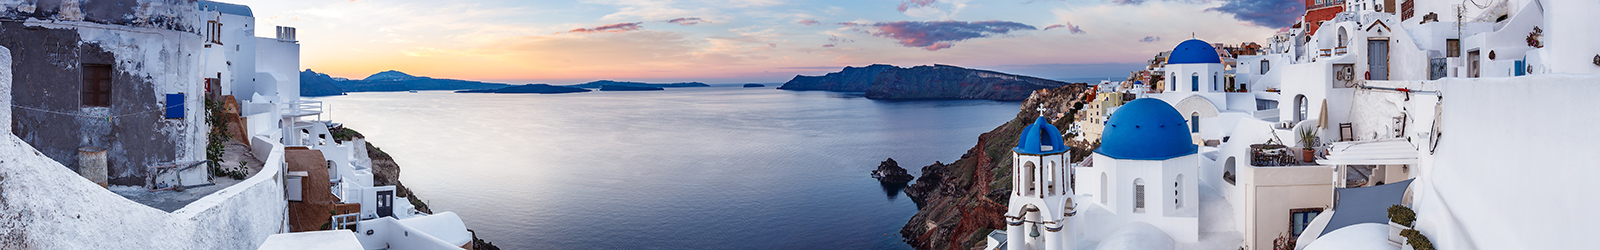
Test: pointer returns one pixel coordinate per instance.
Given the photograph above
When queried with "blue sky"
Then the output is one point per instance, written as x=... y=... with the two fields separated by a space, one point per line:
x=727 y=41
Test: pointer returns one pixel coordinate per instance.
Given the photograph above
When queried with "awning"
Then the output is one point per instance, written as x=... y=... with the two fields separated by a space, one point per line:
x=1365 y=204
x=1381 y=152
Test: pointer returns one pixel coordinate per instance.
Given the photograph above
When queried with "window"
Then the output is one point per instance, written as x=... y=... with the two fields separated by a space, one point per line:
x=1452 y=47
x=1194 y=122
x=1265 y=65
x=1301 y=111
x=1194 y=82
x=1264 y=104
x=1214 y=81
x=1138 y=195
x=214 y=32
x=1227 y=171
x=1030 y=179
x=1300 y=218
x=1105 y=193
x=96 y=85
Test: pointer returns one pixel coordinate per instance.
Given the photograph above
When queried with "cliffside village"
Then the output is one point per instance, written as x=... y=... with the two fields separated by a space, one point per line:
x=1335 y=134
x=167 y=124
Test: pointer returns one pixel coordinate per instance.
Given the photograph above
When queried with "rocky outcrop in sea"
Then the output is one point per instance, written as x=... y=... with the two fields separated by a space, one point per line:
x=886 y=82
x=890 y=172
x=961 y=202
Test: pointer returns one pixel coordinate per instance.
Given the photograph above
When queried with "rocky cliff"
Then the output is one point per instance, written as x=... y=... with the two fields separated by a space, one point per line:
x=887 y=82
x=961 y=202
x=851 y=79
x=314 y=84
x=951 y=82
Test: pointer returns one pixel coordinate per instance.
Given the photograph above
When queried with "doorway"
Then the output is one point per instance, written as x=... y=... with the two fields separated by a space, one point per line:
x=1378 y=59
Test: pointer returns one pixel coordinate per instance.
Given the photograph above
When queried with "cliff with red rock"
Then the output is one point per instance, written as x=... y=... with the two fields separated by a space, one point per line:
x=961 y=202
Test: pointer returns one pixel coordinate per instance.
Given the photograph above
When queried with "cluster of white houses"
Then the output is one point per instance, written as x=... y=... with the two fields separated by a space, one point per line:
x=1206 y=157
x=129 y=81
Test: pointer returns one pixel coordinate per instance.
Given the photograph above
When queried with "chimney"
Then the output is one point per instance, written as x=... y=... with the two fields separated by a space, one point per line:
x=286 y=34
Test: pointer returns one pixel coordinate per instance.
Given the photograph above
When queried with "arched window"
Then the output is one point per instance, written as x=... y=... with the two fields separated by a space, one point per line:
x=1194 y=82
x=1300 y=108
x=1194 y=122
x=1138 y=195
x=1050 y=185
x=1228 y=173
x=1105 y=193
x=1030 y=179
x=1214 y=82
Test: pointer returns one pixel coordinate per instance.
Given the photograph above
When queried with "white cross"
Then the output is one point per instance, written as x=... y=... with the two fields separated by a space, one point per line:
x=1041 y=110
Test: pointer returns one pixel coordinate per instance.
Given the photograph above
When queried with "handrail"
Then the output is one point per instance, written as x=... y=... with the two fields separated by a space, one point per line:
x=345 y=221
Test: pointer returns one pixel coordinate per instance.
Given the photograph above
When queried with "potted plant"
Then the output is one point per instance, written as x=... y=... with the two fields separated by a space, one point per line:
x=1401 y=218
x=1308 y=144
x=1416 y=241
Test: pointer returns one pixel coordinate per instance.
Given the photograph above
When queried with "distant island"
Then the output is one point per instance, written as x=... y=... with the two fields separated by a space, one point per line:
x=318 y=84
x=313 y=84
x=754 y=85
x=628 y=88
x=528 y=89
x=888 y=82
x=603 y=83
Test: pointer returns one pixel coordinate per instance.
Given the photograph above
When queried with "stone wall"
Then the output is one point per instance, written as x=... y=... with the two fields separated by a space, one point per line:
x=153 y=51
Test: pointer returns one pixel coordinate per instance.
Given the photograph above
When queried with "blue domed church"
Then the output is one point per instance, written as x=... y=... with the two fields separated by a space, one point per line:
x=1041 y=195
x=1146 y=169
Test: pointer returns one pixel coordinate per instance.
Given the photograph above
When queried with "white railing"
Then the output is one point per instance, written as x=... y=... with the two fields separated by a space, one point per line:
x=301 y=108
x=345 y=221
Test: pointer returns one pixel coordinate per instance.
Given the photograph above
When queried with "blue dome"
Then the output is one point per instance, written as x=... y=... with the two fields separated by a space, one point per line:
x=1146 y=129
x=1040 y=138
x=1193 y=51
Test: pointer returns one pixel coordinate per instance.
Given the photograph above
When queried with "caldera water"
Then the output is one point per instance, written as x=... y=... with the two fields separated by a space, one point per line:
x=685 y=168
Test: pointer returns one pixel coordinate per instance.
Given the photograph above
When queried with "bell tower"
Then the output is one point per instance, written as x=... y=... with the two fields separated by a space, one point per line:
x=1041 y=196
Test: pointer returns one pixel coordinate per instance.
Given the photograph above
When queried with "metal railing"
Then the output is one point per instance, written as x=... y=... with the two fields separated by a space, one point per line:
x=345 y=221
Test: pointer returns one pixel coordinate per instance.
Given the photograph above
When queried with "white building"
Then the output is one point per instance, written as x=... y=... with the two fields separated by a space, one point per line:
x=1041 y=197
x=1145 y=169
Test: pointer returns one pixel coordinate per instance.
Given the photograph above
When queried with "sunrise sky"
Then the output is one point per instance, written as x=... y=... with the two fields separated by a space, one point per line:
x=735 y=41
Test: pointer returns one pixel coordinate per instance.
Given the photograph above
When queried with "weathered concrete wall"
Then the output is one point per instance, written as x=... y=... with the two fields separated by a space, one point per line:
x=177 y=15
x=153 y=52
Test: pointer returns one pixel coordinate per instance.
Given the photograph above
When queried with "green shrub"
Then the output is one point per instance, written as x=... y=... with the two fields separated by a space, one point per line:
x=1402 y=215
x=1417 y=240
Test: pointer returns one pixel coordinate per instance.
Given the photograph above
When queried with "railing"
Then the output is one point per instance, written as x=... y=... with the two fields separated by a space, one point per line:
x=345 y=221
x=1324 y=52
x=1341 y=50
x=304 y=108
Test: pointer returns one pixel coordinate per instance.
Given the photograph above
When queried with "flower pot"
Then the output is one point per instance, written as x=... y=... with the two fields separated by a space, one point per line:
x=1394 y=234
x=1310 y=154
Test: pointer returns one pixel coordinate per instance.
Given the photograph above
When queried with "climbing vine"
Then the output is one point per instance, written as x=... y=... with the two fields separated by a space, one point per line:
x=216 y=143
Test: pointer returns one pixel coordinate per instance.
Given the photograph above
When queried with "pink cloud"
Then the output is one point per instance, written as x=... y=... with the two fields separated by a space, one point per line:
x=808 y=22
x=621 y=27
x=1073 y=28
x=908 y=4
x=937 y=35
x=687 y=21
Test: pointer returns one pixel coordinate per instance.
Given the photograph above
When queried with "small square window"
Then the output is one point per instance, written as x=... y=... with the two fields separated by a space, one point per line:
x=96 y=89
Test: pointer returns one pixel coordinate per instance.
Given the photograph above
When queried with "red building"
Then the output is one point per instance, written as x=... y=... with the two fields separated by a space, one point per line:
x=1321 y=10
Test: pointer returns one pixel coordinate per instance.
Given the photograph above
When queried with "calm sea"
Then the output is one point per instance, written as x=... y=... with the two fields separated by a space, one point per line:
x=686 y=168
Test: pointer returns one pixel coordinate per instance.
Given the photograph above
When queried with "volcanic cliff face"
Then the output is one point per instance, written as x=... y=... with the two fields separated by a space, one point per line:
x=885 y=82
x=961 y=202
x=851 y=79
x=951 y=82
